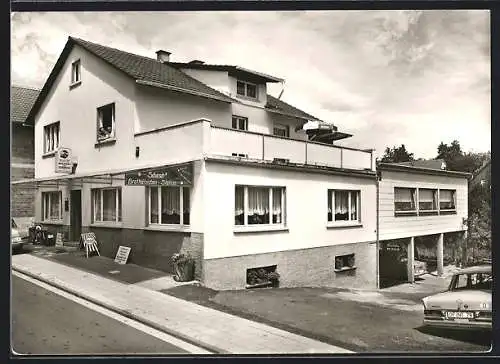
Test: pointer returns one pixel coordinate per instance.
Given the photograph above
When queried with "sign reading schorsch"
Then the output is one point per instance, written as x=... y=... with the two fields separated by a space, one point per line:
x=64 y=162
x=169 y=176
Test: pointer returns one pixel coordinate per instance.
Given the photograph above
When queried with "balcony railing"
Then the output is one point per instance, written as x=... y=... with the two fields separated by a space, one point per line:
x=227 y=142
x=195 y=139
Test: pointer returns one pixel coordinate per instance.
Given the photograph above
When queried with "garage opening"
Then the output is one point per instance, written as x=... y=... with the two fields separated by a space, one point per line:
x=393 y=262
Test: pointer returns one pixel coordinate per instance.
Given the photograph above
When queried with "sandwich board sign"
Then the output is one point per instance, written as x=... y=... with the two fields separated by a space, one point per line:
x=122 y=254
x=64 y=162
x=59 y=240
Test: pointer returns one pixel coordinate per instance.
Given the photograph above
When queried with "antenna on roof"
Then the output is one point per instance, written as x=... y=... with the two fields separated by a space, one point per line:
x=282 y=89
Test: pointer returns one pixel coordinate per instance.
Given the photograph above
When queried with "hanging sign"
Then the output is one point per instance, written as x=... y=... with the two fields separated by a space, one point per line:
x=122 y=254
x=64 y=162
x=169 y=176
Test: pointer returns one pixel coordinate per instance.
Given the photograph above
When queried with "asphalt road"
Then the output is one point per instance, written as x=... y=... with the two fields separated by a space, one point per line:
x=45 y=323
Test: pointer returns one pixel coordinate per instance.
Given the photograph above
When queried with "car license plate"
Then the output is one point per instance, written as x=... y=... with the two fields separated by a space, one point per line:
x=459 y=315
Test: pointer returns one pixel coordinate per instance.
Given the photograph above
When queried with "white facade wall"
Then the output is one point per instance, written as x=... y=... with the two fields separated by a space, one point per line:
x=134 y=203
x=76 y=110
x=395 y=227
x=218 y=80
x=306 y=211
x=157 y=108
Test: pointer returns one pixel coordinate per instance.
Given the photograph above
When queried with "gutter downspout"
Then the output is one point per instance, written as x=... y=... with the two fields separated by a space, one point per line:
x=378 y=234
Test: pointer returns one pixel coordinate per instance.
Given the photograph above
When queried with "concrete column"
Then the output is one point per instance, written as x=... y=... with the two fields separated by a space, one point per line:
x=439 y=255
x=464 y=248
x=411 y=260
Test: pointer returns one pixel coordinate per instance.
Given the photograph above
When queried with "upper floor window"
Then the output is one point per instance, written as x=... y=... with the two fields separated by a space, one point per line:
x=106 y=122
x=239 y=123
x=169 y=205
x=247 y=89
x=281 y=130
x=343 y=205
x=106 y=205
x=404 y=200
x=52 y=205
x=256 y=205
x=427 y=199
x=76 y=72
x=447 y=200
x=51 y=137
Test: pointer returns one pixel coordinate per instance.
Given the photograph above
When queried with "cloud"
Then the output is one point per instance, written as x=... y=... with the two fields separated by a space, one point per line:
x=388 y=77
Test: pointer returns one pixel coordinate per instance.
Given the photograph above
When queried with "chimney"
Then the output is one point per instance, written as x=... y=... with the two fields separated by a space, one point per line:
x=163 y=56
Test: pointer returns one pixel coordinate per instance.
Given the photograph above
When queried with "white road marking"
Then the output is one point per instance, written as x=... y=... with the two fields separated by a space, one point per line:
x=132 y=323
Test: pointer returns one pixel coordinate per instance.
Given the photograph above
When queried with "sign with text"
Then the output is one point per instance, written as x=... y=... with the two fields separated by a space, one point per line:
x=59 y=239
x=168 y=176
x=64 y=161
x=122 y=254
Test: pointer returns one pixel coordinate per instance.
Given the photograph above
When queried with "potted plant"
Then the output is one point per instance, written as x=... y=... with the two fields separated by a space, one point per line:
x=274 y=278
x=183 y=267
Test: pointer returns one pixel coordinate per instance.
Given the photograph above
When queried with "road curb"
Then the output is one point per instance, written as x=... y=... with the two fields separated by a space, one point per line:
x=125 y=313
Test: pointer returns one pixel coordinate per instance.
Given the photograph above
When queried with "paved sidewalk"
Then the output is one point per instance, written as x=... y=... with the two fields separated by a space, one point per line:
x=209 y=328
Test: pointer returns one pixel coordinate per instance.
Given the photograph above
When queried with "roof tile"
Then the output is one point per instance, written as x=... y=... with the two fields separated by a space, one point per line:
x=21 y=102
x=148 y=69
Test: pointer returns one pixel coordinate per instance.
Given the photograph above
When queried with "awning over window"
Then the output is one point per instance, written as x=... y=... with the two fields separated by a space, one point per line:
x=323 y=132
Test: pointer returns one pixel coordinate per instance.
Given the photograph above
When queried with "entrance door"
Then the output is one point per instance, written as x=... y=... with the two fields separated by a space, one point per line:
x=76 y=214
x=393 y=263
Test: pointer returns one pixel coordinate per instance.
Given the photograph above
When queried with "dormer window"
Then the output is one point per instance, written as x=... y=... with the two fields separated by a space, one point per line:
x=246 y=89
x=76 y=73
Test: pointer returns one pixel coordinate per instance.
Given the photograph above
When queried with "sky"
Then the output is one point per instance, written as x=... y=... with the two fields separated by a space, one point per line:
x=388 y=77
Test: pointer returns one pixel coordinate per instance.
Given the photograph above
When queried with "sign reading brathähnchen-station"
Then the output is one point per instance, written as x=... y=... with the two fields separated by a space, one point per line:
x=169 y=176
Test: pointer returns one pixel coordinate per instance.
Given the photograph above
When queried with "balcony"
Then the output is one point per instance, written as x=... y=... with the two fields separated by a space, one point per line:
x=230 y=142
x=198 y=138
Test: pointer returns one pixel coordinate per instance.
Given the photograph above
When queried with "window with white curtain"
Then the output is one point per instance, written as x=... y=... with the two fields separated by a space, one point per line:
x=169 y=205
x=106 y=205
x=427 y=199
x=257 y=205
x=404 y=200
x=343 y=205
x=51 y=205
x=447 y=199
x=51 y=134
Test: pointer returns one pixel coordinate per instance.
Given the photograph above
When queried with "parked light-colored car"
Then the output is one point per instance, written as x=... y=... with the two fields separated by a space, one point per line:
x=466 y=303
x=16 y=241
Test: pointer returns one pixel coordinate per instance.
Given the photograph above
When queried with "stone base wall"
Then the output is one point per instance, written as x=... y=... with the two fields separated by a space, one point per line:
x=152 y=249
x=298 y=268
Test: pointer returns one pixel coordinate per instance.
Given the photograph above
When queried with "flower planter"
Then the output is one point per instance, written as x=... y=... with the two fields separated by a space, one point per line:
x=184 y=272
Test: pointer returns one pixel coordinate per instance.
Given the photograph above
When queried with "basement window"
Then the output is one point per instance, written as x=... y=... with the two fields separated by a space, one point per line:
x=259 y=277
x=345 y=262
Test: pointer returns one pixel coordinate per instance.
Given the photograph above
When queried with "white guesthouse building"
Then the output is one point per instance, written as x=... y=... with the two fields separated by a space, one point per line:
x=189 y=157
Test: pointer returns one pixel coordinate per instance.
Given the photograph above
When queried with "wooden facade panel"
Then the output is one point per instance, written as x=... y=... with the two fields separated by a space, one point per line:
x=393 y=227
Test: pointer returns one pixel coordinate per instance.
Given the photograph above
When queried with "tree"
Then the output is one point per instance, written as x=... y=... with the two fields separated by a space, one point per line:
x=397 y=155
x=479 y=235
x=457 y=160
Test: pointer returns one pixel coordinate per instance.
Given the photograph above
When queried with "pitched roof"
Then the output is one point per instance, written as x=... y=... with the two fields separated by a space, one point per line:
x=426 y=163
x=144 y=70
x=274 y=104
x=232 y=70
x=21 y=102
